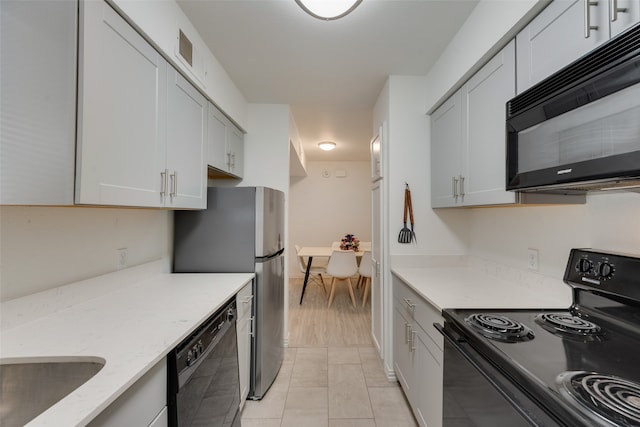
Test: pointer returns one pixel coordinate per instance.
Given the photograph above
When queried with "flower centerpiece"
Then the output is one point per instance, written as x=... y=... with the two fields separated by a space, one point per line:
x=349 y=243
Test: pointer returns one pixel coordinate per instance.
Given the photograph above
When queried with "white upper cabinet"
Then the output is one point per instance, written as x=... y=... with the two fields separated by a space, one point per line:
x=235 y=144
x=121 y=113
x=560 y=34
x=38 y=46
x=186 y=169
x=468 y=138
x=225 y=145
x=141 y=125
x=446 y=147
x=484 y=98
x=217 y=136
x=623 y=14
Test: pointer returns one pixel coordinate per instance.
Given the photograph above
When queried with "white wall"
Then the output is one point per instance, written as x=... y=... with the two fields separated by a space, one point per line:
x=323 y=210
x=610 y=222
x=408 y=161
x=45 y=247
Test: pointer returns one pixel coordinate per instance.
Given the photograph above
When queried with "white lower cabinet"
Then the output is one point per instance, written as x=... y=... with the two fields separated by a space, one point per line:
x=143 y=404
x=418 y=353
x=244 y=327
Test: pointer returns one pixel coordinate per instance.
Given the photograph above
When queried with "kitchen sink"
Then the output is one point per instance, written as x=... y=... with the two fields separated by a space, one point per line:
x=28 y=387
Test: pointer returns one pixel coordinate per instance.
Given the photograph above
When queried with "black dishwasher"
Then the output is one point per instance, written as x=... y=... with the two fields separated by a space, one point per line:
x=203 y=386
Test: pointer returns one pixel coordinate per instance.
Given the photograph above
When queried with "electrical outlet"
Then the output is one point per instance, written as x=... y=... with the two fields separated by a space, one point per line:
x=532 y=259
x=121 y=258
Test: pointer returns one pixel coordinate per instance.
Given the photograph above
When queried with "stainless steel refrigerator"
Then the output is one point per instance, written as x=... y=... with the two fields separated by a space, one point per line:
x=242 y=231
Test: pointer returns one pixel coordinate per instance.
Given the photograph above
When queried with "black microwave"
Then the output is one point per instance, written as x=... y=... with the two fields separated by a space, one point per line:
x=579 y=129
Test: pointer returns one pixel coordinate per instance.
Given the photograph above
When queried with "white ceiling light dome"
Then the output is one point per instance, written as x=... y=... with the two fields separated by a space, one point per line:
x=327 y=145
x=328 y=9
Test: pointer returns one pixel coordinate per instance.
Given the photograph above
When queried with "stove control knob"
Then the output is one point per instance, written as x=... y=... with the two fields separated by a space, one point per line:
x=584 y=266
x=605 y=270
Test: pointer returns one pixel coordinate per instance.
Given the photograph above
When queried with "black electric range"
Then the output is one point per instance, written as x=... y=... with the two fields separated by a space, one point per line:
x=574 y=367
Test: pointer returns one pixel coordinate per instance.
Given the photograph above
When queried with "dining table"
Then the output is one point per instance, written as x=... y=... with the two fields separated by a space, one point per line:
x=324 y=252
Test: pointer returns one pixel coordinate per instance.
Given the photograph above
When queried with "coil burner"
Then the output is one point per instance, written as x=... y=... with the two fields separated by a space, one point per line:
x=500 y=328
x=569 y=326
x=602 y=397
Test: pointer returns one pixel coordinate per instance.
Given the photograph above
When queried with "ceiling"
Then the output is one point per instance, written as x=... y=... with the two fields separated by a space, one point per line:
x=330 y=72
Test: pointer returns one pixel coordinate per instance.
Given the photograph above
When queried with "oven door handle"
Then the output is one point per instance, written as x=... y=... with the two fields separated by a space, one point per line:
x=488 y=376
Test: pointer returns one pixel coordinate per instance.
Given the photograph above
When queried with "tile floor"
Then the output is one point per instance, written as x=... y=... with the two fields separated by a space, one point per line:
x=326 y=385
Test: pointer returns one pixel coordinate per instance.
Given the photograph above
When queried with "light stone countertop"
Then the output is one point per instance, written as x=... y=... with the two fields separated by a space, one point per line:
x=132 y=327
x=468 y=287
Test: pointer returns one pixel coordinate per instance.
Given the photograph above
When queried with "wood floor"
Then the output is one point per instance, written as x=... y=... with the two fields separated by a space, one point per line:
x=312 y=324
x=331 y=375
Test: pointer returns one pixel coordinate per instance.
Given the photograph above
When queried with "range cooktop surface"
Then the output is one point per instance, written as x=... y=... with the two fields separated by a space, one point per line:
x=584 y=358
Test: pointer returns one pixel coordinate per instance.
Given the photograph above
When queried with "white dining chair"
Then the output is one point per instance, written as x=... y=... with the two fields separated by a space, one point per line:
x=315 y=272
x=365 y=270
x=342 y=266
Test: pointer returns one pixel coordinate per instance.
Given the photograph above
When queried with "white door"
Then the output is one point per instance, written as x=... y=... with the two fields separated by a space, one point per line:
x=186 y=144
x=121 y=114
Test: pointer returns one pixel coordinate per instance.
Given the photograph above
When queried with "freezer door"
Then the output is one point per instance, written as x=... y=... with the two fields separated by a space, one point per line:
x=268 y=339
x=220 y=239
x=269 y=221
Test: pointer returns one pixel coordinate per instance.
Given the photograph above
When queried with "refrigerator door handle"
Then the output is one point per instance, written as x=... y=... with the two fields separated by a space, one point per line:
x=268 y=257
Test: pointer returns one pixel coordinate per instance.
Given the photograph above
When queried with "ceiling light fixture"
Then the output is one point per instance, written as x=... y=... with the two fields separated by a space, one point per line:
x=327 y=145
x=328 y=10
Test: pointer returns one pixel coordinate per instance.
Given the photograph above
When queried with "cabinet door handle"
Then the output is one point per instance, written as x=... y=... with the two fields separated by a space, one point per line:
x=233 y=160
x=174 y=184
x=407 y=331
x=251 y=333
x=461 y=186
x=228 y=160
x=455 y=186
x=587 y=18
x=614 y=9
x=412 y=346
x=412 y=306
x=163 y=183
